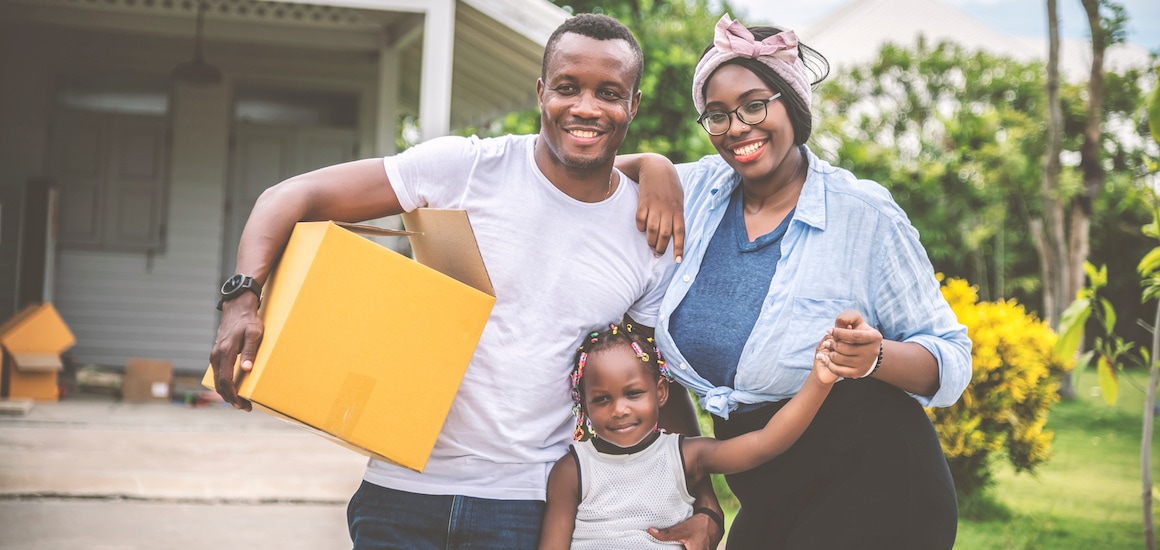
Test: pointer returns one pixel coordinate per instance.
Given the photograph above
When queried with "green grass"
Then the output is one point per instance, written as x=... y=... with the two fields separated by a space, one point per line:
x=1086 y=497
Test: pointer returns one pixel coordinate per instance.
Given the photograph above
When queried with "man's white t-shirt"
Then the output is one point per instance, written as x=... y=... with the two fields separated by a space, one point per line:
x=561 y=268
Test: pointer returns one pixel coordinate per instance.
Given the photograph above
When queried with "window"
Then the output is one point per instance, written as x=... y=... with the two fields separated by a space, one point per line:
x=108 y=156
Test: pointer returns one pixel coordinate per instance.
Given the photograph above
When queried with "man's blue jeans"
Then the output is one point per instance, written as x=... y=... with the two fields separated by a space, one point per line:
x=385 y=518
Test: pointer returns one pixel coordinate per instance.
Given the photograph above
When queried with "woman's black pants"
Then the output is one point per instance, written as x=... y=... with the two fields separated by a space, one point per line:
x=868 y=473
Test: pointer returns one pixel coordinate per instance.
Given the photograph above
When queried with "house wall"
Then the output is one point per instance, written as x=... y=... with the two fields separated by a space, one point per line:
x=132 y=303
x=149 y=304
x=24 y=111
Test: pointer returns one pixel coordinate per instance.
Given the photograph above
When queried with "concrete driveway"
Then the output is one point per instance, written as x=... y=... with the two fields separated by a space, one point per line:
x=92 y=472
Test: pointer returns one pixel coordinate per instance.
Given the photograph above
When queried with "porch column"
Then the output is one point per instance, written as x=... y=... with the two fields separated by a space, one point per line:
x=435 y=87
x=387 y=125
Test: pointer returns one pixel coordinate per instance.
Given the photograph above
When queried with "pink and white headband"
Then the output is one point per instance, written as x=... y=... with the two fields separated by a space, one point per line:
x=732 y=40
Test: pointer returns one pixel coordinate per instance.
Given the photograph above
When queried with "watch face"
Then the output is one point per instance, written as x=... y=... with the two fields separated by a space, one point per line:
x=233 y=284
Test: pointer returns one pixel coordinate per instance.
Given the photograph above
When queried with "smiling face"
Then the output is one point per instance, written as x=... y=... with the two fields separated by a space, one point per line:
x=759 y=151
x=586 y=101
x=622 y=396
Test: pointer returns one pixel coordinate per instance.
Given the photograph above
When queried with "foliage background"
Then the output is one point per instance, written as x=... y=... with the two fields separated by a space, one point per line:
x=1003 y=412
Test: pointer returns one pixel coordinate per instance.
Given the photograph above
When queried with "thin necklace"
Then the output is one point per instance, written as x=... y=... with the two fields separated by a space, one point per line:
x=609 y=193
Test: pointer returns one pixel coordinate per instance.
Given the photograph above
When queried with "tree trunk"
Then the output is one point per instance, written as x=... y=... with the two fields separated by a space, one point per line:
x=1146 y=439
x=1051 y=241
x=1090 y=161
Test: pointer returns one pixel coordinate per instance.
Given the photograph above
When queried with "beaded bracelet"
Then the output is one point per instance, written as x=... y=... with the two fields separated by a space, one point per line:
x=877 y=363
x=713 y=515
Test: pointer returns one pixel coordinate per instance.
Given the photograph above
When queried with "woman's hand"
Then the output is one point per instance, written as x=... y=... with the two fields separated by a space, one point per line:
x=851 y=345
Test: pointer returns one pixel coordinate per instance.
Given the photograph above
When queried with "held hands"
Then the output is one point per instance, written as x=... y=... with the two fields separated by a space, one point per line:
x=240 y=331
x=850 y=348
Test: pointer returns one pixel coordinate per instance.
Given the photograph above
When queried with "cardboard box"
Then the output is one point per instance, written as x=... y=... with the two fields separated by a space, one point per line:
x=146 y=380
x=364 y=345
x=33 y=341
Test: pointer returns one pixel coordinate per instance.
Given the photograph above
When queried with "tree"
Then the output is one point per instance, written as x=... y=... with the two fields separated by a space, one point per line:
x=960 y=138
x=1149 y=270
x=1062 y=261
x=950 y=133
x=1110 y=350
x=1048 y=228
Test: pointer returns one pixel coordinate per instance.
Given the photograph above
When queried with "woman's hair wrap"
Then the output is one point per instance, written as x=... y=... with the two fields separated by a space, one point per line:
x=731 y=40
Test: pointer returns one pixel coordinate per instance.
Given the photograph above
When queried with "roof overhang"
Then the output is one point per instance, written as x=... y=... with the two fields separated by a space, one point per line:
x=498 y=44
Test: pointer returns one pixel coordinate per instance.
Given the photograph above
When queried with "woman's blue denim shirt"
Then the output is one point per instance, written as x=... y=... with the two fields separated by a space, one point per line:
x=849 y=246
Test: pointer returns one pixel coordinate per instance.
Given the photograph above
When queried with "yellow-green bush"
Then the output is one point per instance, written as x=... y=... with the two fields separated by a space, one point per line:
x=1003 y=410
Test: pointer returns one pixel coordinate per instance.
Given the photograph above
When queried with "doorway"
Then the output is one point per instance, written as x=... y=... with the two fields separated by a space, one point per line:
x=279 y=134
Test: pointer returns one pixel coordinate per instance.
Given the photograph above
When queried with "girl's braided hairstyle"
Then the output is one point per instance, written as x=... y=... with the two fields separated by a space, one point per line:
x=615 y=335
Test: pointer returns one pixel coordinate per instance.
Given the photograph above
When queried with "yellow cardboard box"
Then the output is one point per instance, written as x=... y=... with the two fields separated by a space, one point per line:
x=364 y=345
x=33 y=341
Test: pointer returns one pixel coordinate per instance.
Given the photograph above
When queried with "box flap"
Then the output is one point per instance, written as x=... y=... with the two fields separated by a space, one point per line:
x=373 y=230
x=445 y=242
x=37 y=362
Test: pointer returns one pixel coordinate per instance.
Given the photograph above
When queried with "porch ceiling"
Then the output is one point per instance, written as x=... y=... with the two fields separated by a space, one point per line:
x=498 y=43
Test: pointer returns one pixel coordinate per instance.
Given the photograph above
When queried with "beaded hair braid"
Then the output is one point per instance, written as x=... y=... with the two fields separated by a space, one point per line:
x=643 y=346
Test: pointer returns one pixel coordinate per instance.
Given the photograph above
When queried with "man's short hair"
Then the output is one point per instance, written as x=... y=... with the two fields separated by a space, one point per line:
x=599 y=27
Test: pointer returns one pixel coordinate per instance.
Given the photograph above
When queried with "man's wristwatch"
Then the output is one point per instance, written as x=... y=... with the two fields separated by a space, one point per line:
x=236 y=285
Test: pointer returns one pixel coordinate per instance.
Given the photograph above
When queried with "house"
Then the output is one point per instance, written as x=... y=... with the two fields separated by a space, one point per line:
x=136 y=134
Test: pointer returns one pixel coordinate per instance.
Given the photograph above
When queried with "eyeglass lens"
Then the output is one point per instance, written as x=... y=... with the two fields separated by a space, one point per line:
x=752 y=112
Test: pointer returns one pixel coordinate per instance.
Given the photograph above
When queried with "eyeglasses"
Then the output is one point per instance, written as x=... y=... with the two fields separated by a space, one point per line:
x=750 y=112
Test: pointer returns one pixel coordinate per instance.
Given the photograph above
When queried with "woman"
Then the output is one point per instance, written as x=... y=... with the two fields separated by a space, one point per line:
x=778 y=243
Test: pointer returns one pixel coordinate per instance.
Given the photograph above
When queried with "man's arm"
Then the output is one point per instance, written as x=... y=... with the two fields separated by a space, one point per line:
x=352 y=191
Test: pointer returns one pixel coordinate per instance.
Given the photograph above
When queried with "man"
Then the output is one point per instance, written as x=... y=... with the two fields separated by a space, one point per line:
x=555 y=226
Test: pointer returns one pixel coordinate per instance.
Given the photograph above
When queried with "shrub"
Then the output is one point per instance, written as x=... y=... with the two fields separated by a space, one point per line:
x=1015 y=377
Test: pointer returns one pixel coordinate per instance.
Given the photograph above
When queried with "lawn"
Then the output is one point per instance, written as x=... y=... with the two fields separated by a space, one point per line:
x=1087 y=497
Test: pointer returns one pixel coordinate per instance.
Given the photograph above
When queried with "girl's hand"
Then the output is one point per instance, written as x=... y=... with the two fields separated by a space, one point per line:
x=822 y=364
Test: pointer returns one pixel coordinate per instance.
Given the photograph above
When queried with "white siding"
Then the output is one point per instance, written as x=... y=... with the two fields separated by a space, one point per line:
x=130 y=304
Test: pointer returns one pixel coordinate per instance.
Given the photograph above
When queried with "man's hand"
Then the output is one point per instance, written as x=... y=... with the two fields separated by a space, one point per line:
x=660 y=211
x=239 y=332
x=699 y=532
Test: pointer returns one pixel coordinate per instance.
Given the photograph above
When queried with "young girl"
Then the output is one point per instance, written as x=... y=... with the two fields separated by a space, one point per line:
x=623 y=475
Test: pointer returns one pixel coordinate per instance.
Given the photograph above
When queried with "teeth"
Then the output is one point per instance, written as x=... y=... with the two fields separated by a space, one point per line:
x=747 y=150
x=584 y=133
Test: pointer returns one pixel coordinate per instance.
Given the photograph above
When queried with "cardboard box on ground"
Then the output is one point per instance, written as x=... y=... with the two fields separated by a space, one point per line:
x=365 y=346
x=33 y=341
x=147 y=380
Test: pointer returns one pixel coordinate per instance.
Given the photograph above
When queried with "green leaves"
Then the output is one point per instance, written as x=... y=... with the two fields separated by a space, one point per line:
x=1071 y=325
x=1154 y=111
x=1110 y=351
x=1109 y=385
